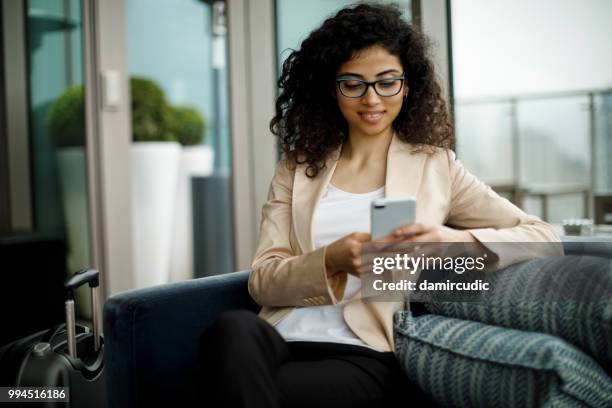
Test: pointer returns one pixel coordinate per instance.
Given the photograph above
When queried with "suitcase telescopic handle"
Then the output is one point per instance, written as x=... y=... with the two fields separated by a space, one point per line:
x=92 y=277
x=87 y=275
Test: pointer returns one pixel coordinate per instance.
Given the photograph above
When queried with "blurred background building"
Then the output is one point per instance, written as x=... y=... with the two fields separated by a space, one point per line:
x=134 y=133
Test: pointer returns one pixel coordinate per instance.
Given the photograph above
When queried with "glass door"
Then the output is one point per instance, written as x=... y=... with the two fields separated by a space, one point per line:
x=181 y=151
x=48 y=134
x=57 y=124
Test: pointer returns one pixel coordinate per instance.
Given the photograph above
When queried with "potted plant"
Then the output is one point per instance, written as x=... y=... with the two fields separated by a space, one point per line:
x=196 y=160
x=155 y=163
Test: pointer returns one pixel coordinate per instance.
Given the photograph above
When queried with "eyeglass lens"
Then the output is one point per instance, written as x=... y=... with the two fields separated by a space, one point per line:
x=355 y=89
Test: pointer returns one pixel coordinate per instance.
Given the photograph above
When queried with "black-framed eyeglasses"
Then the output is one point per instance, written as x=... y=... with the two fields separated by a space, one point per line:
x=356 y=88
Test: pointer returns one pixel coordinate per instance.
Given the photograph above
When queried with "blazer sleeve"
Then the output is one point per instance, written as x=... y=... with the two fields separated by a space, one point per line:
x=494 y=221
x=279 y=276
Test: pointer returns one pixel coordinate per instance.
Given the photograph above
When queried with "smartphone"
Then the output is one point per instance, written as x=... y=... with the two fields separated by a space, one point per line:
x=387 y=214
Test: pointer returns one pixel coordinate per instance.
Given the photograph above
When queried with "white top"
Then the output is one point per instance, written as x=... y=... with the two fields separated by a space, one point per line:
x=338 y=214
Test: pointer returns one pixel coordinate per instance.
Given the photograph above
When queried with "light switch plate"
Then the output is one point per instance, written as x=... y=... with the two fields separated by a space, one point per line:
x=111 y=89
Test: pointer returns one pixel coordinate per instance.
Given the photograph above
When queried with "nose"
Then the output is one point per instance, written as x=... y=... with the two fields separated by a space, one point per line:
x=370 y=98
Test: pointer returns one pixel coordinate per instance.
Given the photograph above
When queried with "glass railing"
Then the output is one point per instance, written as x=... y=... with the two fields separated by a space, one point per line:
x=548 y=153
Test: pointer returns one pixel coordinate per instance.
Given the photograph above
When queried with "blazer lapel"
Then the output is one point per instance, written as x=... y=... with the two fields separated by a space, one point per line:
x=307 y=193
x=404 y=170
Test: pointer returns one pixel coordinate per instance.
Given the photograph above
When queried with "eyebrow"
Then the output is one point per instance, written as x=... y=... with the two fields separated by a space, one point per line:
x=352 y=74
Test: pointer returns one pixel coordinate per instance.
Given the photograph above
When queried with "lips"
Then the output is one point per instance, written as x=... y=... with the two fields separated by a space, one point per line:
x=371 y=117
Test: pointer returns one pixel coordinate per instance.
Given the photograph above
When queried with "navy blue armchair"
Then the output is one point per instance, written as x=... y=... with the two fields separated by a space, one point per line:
x=151 y=336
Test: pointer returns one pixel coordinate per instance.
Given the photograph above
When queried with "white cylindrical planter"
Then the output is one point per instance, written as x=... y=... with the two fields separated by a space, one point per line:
x=195 y=161
x=72 y=173
x=154 y=181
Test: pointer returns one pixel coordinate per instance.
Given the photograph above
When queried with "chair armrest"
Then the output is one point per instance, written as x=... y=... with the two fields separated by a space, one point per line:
x=585 y=245
x=151 y=335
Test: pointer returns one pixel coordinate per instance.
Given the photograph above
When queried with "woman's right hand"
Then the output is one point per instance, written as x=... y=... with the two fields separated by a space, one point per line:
x=344 y=255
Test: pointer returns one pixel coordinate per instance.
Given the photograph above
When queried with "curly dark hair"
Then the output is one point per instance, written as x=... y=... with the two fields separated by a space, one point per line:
x=308 y=121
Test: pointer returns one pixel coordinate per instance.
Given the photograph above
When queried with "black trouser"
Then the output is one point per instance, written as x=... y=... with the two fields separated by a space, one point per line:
x=244 y=362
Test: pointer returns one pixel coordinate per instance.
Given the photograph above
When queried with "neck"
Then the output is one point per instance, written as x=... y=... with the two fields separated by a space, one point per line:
x=363 y=148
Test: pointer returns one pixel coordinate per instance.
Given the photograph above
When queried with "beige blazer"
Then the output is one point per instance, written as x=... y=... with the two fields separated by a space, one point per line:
x=288 y=271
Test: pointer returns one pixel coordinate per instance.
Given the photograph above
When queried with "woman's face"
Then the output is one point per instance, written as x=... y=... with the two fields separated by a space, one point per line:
x=370 y=114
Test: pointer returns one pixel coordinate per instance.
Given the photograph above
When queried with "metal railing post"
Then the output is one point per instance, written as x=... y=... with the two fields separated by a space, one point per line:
x=593 y=153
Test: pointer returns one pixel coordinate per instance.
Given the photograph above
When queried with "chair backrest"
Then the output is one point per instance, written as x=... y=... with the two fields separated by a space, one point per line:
x=151 y=336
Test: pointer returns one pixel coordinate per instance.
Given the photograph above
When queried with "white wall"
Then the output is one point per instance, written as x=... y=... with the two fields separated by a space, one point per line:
x=509 y=47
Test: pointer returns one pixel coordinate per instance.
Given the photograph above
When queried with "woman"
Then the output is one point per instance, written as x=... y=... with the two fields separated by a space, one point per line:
x=360 y=116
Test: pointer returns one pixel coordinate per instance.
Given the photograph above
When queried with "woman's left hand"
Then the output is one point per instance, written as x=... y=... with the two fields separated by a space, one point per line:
x=430 y=233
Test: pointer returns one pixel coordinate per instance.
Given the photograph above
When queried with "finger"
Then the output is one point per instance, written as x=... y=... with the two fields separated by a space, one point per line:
x=429 y=236
x=410 y=230
x=391 y=238
x=361 y=236
x=369 y=247
x=368 y=257
x=365 y=269
x=355 y=262
x=354 y=250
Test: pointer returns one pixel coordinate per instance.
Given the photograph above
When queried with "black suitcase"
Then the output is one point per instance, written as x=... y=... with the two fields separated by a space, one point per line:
x=68 y=355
